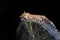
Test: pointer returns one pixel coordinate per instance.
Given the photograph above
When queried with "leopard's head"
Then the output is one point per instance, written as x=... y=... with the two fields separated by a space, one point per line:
x=24 y=15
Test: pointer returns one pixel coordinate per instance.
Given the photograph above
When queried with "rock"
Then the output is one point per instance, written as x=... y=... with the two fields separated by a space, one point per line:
x=36 y=27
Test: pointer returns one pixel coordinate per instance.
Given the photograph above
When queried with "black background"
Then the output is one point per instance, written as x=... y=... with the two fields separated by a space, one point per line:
x=11 y=10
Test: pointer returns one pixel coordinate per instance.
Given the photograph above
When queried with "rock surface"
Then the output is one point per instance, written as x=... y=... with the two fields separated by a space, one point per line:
x=36 y=29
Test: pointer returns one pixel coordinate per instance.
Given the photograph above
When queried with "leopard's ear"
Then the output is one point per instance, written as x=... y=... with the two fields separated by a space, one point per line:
x=22 y=14
x=24 y=11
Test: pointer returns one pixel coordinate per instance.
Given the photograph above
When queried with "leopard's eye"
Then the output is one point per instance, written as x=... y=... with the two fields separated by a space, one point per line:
x=26 y=16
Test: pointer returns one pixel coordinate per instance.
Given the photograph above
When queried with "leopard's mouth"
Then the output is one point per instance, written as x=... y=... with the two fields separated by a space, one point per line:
x=23 y=19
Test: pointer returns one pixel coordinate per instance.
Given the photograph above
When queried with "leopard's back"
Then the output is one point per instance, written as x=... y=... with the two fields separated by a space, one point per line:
x=33 y=17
